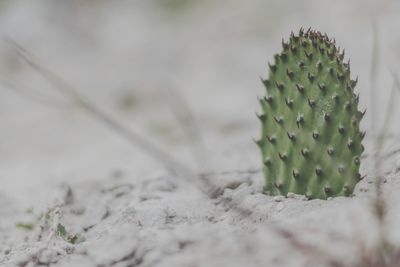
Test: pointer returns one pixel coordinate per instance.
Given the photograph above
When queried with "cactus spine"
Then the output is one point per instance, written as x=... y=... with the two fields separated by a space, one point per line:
x=311 y=142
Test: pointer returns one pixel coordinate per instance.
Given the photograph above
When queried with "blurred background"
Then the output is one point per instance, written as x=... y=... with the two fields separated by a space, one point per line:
x=185 y=74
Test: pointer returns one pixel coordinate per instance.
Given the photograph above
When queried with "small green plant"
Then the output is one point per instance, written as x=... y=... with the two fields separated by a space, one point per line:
x=25 y=226
x=61 y=231
x=71 y=238
x=311 y=142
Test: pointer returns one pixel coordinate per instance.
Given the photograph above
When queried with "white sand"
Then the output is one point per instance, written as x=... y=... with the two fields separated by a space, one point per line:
x=59 y=166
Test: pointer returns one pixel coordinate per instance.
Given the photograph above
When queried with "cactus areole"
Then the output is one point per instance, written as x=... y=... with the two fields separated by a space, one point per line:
x=311 y=141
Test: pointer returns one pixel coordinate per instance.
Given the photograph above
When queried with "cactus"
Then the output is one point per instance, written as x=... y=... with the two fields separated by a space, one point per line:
x=311 y=141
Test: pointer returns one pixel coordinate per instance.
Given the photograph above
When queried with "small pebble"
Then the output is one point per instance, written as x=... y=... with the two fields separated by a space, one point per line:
x=279 y=198
x=296 y=196
x=291 y=195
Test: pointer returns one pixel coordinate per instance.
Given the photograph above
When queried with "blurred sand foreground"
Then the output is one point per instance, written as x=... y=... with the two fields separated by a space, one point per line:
x=185 y=75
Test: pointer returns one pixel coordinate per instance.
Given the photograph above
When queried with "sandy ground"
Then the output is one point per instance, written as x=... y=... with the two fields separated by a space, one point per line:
x=184 y=74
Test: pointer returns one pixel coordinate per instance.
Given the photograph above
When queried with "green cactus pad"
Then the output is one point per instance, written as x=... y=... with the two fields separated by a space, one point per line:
x=311 y=140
